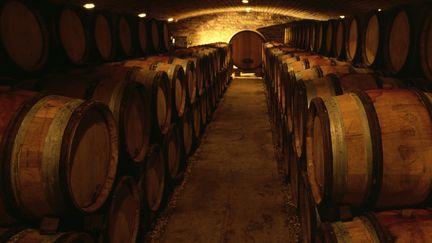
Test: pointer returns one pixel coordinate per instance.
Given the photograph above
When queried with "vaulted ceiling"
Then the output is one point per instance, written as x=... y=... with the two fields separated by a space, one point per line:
x=181 y=9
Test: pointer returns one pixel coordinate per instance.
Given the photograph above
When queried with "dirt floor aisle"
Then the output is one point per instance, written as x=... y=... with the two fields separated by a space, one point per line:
x=233 y=192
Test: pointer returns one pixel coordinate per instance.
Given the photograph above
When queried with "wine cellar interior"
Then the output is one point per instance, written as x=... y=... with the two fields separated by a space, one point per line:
x=132 y=121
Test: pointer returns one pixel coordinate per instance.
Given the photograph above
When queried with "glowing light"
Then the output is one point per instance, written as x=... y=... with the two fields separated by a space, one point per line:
x=248 y=9
x=173 y=40
x=379 y=10
x=342 y=16
x=170 y=19
x=142 y=15
x=89 y=6
x=245 y=1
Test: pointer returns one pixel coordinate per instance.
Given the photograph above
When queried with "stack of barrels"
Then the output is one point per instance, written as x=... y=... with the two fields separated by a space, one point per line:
x=59 y=36
x=355 y=138
x=94 y=153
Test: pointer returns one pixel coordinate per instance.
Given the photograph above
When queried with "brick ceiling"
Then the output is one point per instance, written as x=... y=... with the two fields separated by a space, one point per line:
x=181 y=9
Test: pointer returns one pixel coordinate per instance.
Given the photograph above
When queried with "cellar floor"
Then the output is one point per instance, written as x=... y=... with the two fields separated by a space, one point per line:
x=232 y=191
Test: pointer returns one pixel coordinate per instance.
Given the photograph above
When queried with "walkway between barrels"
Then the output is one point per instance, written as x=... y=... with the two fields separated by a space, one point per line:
x=233 y=192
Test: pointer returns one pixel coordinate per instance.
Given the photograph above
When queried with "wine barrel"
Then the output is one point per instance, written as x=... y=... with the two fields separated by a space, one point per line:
x=124 y=216
x=308 y=213
x=59 y=136
x=310 y=74
x=143 y=36
x=117 y=87
x=359 y=145
x=197 y=127
x=104 y=36
x=386 y=226
x=74 y=35
x=426 y=48
x=12 y=104
x=124 y=33
x=353 y=41
x=313 y=31
x=172 y=152
x=399 y=38
x=331 y=85
x=191 y=77
x=157 y=84
x=32 y=235
x=164 y=35
x=321 y=36
x=317 y=60
x=187 y=132
x=203 y=109
x=176 y=76
x=330 y=36
x=373 y=40
x=153 y=33
x=24 y=35
x=340 y=39
x=152 y=182
x=246 y=46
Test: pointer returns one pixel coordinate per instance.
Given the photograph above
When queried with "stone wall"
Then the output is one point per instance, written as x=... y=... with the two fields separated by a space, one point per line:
x=221 y=27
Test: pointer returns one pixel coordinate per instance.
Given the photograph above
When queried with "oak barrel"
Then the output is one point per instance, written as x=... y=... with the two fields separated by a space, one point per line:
x=74 y=35
x=158 y=85
x=104 y=36
x=59 y=137
x=359 y=144
x=196 y=113
x=425 y=52
x=409 y=225
x=330 y=85
x=24 y=35
x=152 y=182
x=117 y=87
x=308 y=213
x=143 y=36
x=246 y=49
x=398 y=41
x=164 y=35
x=124 y=216
x=12 y=104
x=373 y=40
x=176 y=75
x=353 y=40
x=125 y=37
x=33 y=235
x=340 y=39
x=187 y=132
x=154 y=34
x=330 y=36
x=172 y=152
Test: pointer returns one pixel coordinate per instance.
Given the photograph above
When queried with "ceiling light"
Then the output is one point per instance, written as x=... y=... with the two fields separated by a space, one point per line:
x=142 y=15
x=89 y=6
x=342 y=16
x=379 y=10
x=248 y=9
x=170 y=19
x=245 y=1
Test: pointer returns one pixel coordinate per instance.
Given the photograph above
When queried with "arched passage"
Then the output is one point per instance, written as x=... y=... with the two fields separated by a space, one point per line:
x=246 y=49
